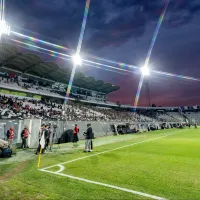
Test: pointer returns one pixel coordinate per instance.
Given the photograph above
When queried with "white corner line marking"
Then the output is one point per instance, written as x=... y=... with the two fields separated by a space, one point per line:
x=105 y=185
x=136 y=143
x=61 y=168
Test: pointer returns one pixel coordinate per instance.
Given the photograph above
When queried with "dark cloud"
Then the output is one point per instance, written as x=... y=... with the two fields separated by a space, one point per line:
x=60 y=20
x=134 y=16
x=122 y=30
x=109 y=22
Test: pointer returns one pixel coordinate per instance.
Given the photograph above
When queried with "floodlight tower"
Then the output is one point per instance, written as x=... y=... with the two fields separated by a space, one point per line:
x=4 y=27
x=77 y=60
x=148 y=93
x=145 y=70
x=2 y=8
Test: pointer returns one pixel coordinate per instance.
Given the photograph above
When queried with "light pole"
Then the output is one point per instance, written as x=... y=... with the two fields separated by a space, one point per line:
x=77 y=58
x=148 y=92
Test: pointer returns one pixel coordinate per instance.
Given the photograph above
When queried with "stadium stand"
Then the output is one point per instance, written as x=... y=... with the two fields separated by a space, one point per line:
x=32 y=92
x=193 y=117
x=33 y=88
x=27 y=71
x=23 y=108
x=176 y=116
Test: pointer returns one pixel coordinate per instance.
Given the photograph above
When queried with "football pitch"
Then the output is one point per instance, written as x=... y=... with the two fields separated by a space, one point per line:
x=162 y=164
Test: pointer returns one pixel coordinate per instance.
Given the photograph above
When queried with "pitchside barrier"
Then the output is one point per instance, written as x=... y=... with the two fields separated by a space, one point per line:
x=58 y=128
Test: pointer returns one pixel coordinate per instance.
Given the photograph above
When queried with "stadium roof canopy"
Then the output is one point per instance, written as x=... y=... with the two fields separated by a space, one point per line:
x=29 y=63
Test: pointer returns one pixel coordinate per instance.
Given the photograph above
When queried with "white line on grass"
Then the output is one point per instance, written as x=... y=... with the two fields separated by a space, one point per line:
x=61 y=168
x=81 y=158
x=104 y=184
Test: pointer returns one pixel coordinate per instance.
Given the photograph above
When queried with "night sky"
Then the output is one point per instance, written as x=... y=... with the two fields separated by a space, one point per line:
x=121 y=30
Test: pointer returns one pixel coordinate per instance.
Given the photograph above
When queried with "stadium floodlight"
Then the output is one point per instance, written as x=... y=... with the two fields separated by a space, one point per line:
x=145 y=71
x=77 y=59
x=4 y=28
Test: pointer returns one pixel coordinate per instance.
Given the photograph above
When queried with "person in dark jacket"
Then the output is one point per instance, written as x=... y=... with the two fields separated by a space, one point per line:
x=88 y=138
x=47 y=136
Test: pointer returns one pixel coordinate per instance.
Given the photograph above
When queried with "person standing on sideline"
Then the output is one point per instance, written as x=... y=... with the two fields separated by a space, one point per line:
x=10 y=136
x=24 y=135
x=88 y=138
x=75 y=135
x=42 y=128
x=47 y=136
x=40 y=132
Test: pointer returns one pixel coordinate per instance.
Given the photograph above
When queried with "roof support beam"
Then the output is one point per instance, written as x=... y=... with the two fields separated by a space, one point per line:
x=100 y=88
x=31 y=75
x=43 y=75
x=5 y=62
x=29 y=67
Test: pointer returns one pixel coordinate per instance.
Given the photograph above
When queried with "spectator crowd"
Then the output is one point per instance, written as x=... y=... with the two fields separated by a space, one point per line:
x=14 y=107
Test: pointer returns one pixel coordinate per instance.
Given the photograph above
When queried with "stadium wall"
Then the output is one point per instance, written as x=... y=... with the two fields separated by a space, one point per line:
x=100 y=129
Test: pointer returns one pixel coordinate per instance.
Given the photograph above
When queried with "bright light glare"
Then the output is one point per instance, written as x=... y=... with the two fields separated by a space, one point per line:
x=77 y=59
x=145 y=71
x=4 y=28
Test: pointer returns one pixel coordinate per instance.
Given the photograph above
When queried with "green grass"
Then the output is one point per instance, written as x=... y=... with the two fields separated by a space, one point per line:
x=168 y=167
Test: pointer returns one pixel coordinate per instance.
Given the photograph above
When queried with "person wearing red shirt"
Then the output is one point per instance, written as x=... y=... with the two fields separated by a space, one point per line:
x=10 y=136
x=75 y=134
x=24 y=135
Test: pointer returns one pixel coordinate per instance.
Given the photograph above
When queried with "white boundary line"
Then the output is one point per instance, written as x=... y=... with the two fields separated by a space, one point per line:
x=104 y=184
x=61 y=168
x=84 y=157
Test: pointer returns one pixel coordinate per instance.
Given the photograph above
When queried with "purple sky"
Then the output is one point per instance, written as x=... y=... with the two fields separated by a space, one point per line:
x=121 y=30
